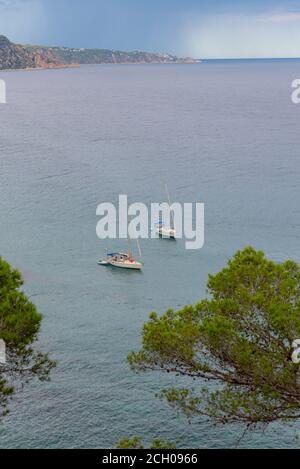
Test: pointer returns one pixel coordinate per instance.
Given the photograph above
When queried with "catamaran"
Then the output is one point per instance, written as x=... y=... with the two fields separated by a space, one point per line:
x=163 y=230
x=123 y=260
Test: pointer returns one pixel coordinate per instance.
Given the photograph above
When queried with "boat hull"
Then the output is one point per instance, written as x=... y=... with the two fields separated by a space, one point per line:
x=166 y=233
x=127 y=265
x=130 y=265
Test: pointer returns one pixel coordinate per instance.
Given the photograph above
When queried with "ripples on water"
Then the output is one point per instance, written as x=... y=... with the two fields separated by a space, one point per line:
x=223 y=133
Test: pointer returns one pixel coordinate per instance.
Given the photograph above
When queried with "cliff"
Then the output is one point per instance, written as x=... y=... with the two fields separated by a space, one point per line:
x=14 y=56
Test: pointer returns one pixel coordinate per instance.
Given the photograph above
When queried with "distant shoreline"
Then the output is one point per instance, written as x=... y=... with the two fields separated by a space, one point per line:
x=66 y=66
x=39 y=69
x=28 y=57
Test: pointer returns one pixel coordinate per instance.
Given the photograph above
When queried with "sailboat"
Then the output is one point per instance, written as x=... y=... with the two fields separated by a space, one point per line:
x=163 y=230
x=124 y=260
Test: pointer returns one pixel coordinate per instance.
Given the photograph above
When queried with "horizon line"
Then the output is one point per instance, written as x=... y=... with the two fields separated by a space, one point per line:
x=152 y=52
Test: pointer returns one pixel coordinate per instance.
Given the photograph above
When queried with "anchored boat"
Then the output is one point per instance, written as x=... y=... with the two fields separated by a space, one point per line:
x=123 y=260
x=163 y=230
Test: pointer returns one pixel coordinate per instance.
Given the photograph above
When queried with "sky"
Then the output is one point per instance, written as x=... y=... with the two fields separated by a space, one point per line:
x=205 y=29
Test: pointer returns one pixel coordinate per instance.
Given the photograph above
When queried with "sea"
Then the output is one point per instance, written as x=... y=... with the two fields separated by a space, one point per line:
x=222 y=133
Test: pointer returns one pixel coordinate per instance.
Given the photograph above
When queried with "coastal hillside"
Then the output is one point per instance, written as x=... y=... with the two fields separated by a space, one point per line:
x=15 y=56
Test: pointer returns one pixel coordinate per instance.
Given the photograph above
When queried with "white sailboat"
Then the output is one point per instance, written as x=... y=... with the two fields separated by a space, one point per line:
x=163 y=230
x=123 y=260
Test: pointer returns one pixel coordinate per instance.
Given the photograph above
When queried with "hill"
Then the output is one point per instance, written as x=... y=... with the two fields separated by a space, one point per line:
x=16 y=56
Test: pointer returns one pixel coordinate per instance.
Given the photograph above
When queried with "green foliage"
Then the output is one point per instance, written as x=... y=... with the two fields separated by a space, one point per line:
x=137 y=443
x=19 y=327
x=161 y=444
x=130 y=443
x=239 y=342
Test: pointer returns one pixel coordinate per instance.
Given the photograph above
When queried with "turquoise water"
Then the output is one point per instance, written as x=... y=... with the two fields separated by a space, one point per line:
x=222 y=133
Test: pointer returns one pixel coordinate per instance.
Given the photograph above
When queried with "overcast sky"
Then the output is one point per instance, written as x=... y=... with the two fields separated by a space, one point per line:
x=199 y=28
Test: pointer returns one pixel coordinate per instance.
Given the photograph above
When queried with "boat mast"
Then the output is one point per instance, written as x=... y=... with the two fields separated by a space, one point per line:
x=129 y=243
x=171 y=212
x=139 y=248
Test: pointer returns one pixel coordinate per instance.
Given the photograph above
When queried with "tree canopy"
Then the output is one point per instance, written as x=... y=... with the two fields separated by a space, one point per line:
x=237 y=345
x=19 y=327
x=137 y=443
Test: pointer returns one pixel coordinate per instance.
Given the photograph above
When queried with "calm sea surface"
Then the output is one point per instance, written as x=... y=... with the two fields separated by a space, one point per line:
x=225 y=133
